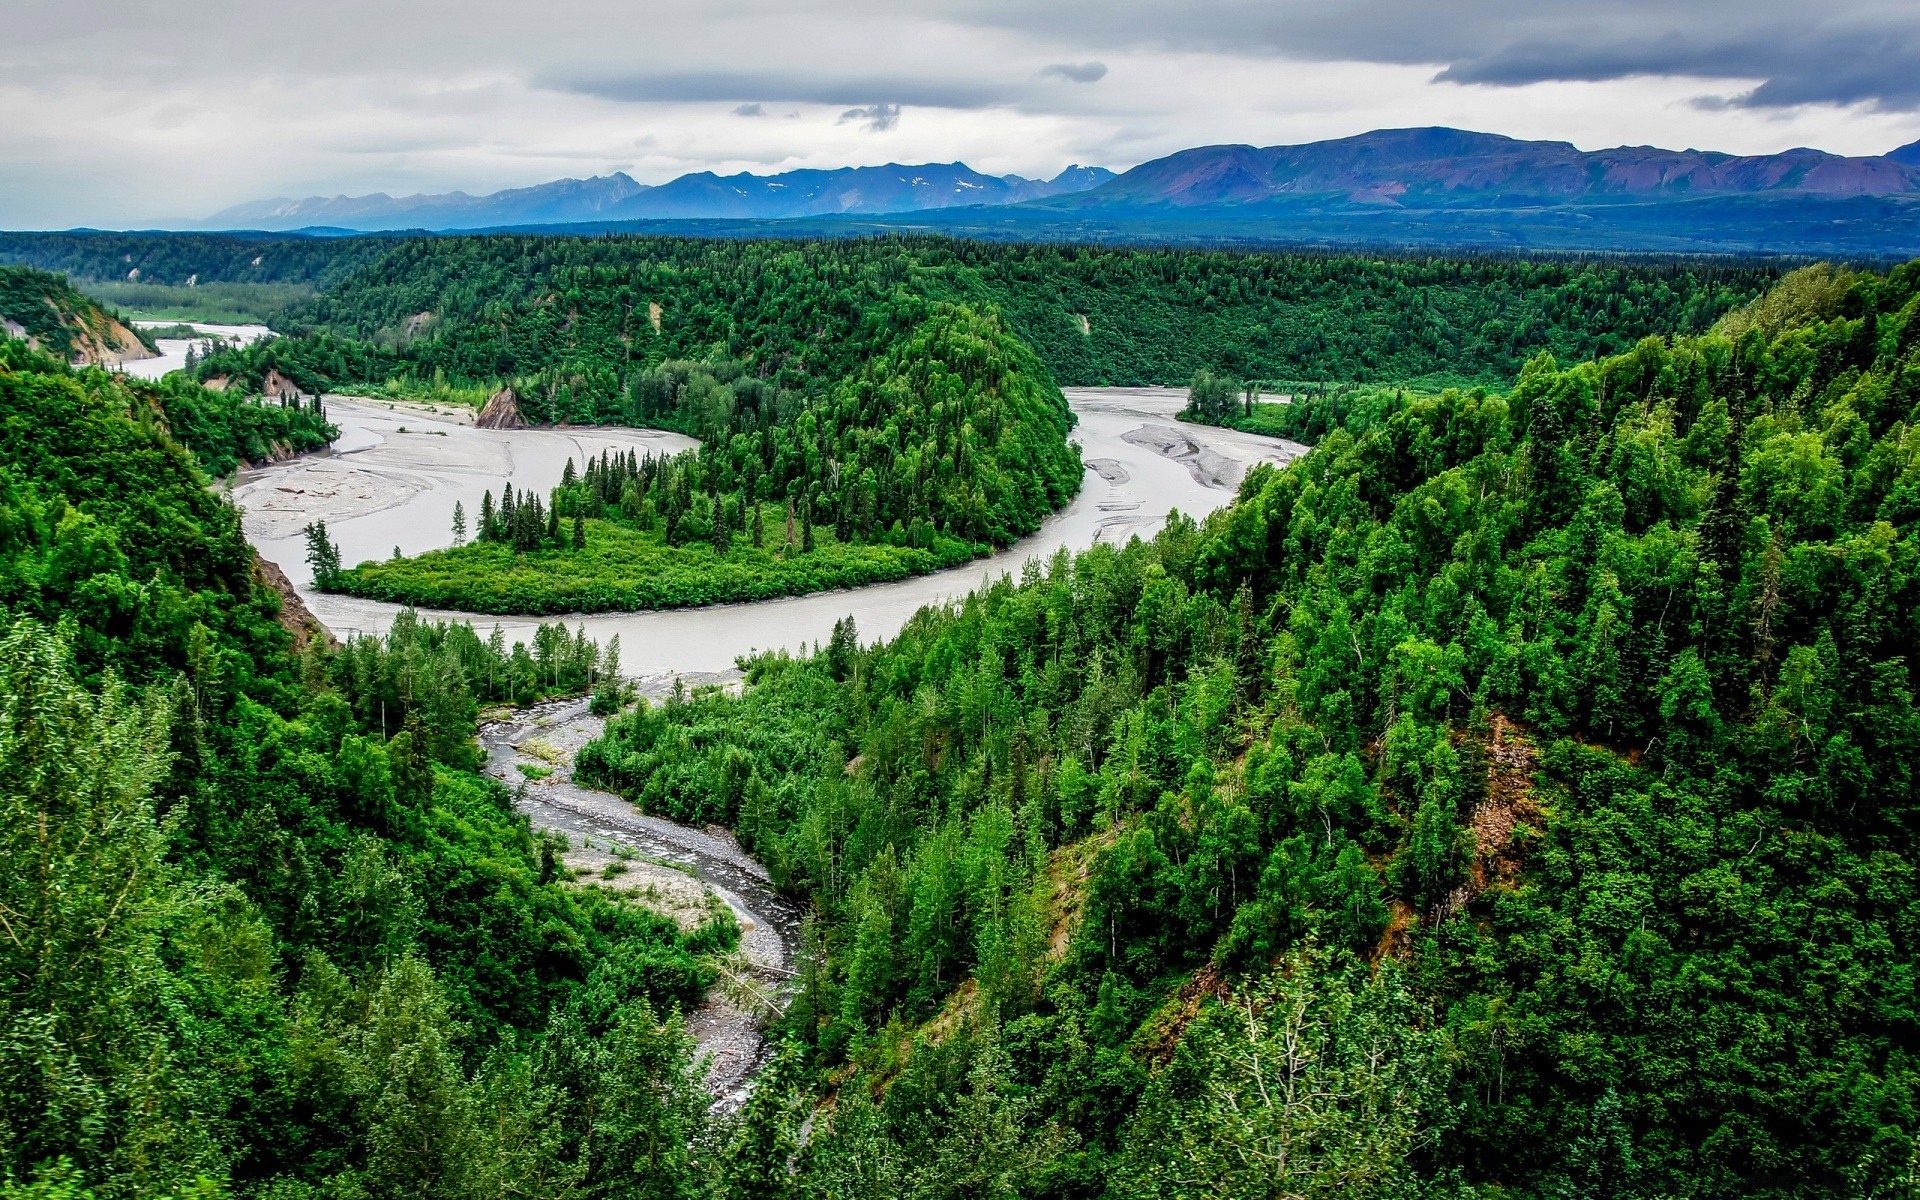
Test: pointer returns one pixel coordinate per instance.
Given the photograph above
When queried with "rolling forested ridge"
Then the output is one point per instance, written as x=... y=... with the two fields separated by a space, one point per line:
x=1094 y=314
x=1513 y=797
x=265 y=930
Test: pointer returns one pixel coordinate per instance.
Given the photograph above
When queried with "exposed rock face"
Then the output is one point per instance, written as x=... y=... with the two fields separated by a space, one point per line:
x=106 y=342
x=295 y=617
x=502 y=412
x=278 y=387
x=278 y=450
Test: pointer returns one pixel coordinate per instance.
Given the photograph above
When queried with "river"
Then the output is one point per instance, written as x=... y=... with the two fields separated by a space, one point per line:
x=393 y=478
x=173 y=351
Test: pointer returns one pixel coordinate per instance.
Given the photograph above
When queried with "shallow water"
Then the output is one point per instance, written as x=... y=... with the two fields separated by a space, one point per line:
x=381 y=488
x=173 y=351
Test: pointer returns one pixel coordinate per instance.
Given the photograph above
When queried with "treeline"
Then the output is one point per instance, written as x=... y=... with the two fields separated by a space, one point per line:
x=266 y=932
x=1093 y=314
x=940 y=446
x=1110 y=315
x=181 y=259
x=1514 y=796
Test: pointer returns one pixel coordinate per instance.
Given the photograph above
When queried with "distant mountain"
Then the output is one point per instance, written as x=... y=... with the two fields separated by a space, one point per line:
x=1908 y=154
x=561 y=200
x=864 y=190
x=857 y=190
x=1447 y=168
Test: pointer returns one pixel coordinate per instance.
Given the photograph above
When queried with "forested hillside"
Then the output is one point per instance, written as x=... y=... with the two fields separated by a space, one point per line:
x=1151 y=316
x=41 y=308
x=265 y=929
x=1514 y=796
x=826 y=392
x=196 y=277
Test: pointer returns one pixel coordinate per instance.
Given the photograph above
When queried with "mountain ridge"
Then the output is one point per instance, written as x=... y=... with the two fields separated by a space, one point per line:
x=1436 y=166
x=888 y=188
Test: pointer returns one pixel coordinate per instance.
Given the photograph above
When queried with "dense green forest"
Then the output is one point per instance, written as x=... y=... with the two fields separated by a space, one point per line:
x=1514 y=796
x=1094 y=314
x=223 y=431
x=265 y=928
x=214 y=277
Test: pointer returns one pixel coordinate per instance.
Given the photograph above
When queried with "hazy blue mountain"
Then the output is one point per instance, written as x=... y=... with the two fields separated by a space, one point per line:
x=561 y=200
x=1908 y=154
x=867 y=190
x=892 y=188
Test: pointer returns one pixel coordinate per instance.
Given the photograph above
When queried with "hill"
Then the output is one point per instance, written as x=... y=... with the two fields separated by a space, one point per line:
x=269 y=932
x=1427 y=187
x=1514 y=797
x=51 y=316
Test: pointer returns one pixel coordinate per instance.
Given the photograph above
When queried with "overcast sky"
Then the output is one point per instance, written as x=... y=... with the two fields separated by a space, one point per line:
x=118 y=112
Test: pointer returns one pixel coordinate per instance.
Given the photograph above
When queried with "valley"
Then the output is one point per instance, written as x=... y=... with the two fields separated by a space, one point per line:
x=1515 y=768
x=681 y=601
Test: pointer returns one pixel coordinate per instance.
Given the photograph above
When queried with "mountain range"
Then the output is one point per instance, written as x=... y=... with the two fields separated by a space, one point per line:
x=809 y=193
x=1424 y=188
x=1438 y=167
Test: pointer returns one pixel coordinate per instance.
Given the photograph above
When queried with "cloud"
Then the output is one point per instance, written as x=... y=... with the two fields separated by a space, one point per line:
x=750 y=110
x=962 y=90
x=1837 y=52
x=878 y=118
x=296 y=99
x=1086 y=72
x=1870 y=63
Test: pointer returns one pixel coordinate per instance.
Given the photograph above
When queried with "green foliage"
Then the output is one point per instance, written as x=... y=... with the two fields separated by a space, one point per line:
x=51 y=314
x=1151 y=316
x=211 y=303
x=621 y=569
x=945 y=444
x=1310 y=1082
x=1590 y=704
x=262 y=925
x=1212 y=398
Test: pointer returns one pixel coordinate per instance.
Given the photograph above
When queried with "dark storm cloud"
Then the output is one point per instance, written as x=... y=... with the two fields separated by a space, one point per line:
x=878 y=118
x=1877 y=64
x=1087 y=72
x=1800 y=52
x=781 y=86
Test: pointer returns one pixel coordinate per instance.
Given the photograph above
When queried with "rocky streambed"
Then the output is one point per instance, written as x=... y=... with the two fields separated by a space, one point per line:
x=675 y=869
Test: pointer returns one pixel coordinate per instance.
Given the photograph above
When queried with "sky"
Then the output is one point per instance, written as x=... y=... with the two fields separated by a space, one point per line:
x=119 y=113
